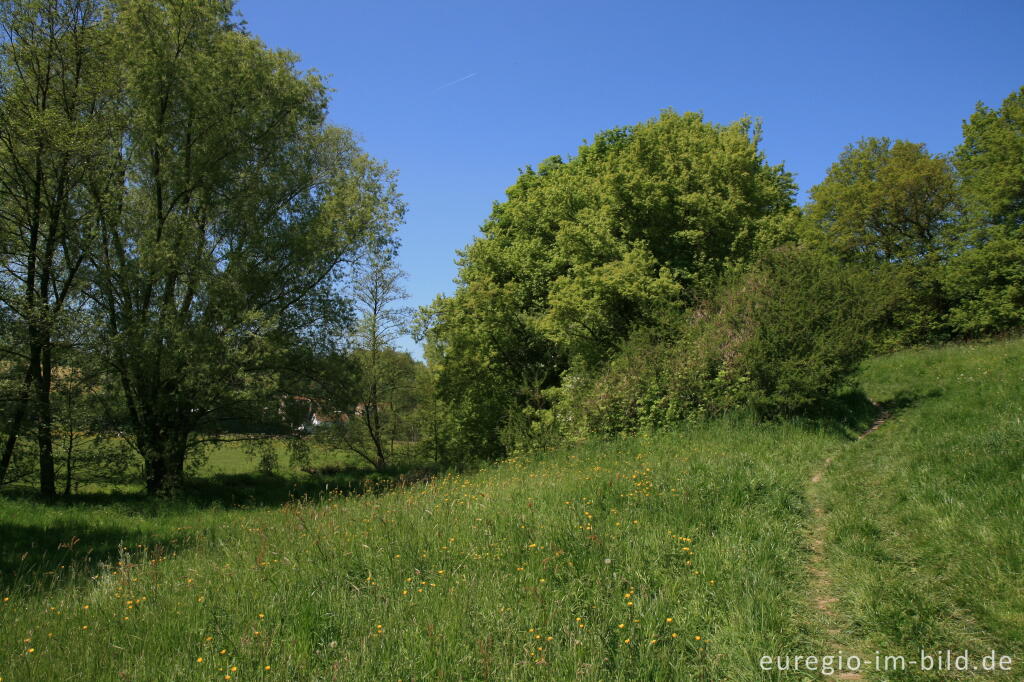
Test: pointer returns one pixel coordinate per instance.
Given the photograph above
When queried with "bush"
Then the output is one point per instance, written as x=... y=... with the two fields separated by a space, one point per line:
x=778 y=338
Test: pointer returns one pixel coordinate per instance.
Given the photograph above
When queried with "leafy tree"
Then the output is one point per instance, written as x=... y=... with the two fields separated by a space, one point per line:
x=885 y=201
x=54 y=99
x=226 y=226
x=892 y=204
x=987 y=278
x=584 y=250
x=991 y=163
x=386 y=378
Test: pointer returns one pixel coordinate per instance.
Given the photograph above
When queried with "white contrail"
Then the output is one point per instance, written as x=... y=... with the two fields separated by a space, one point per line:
x=457 y=80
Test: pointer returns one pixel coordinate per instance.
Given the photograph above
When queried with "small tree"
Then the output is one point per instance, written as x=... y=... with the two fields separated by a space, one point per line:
x=386 y=377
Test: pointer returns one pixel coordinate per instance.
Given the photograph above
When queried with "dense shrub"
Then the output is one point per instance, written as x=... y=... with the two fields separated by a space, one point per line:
x=777 y=338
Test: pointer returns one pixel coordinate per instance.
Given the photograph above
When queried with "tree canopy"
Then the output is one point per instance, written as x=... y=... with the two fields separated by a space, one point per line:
x=988 y=276
x=991 y=163
x=885 y=200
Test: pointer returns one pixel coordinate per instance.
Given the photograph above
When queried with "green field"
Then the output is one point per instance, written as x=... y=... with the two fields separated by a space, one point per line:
x=682 y=555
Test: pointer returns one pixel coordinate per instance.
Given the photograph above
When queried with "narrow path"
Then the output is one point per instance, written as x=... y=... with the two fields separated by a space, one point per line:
x=821 y=582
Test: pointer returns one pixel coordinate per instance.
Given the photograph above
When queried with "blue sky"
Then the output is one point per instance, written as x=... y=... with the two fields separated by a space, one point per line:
x=458 y=96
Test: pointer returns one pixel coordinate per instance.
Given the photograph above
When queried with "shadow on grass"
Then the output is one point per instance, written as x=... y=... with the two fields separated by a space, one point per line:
x=248 y=490
x=42 y=555
x=851 y=413
x=271 y=490
x=44 y=544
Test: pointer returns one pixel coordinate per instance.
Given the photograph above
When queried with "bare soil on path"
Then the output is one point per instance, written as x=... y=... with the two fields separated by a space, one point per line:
x=821 y=593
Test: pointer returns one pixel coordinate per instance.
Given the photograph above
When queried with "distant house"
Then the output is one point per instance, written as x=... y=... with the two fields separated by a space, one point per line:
x=306 y=415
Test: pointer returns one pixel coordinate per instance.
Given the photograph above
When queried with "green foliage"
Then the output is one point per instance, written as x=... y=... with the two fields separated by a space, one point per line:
x=175 y=185
x=987 y=277
x=635 y=226
x=884 y=201
x=809 y=322
x=385 y=393
x=53 y=117
x=778 y=338
x=893 y=205
x=991 y=164
x=987 y=283
x=227 y=223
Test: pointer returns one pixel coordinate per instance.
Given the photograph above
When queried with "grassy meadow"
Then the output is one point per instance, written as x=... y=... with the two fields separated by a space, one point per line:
x=683 y=554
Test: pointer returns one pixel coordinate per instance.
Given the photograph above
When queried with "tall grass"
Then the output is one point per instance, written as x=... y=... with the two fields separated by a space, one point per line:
x=672 y=557
x=678 y=556
x=926 y=526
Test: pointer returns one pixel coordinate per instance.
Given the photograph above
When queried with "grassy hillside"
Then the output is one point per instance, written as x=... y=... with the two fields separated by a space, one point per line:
x=684 y=555
x=926 y=518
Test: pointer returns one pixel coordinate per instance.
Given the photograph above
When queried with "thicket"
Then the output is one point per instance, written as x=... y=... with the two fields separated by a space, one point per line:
x=636 y=227
x=776 y=338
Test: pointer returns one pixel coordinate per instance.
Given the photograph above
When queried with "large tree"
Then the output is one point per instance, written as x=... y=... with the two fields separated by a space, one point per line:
x=892 y=205
x=583 y=250
x=886 y=201
x=229 y=218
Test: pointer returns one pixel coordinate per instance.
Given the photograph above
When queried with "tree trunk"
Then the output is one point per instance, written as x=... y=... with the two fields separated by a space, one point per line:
x=44 y=426
x=69 y=452
x=165 y=468
x=15 y=426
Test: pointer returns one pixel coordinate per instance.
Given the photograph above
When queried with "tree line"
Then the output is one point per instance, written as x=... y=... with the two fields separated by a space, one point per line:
x=665 y=274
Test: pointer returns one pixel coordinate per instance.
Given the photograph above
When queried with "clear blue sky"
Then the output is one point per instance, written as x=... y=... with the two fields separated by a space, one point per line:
x=458 y=95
